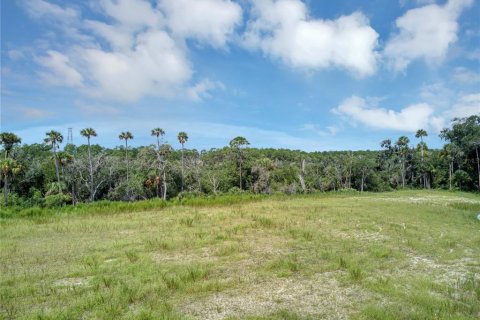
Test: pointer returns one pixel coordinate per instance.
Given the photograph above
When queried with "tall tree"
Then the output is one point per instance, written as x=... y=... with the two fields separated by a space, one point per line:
x=88 y=133
x=182 y=138
x=420 y=134
x=465 y=133
x=364 y=166
x=238 y=144
x=9 y=168
x=402 y=146
x=126 y=136
x=9 y=140
x=159 y=132
x=450 y=152
x=54 y=138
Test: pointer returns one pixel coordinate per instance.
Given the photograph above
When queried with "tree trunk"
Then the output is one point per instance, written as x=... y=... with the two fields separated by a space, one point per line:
x=91 y=169
x=350 y=171
x=181 y=189
x=301 y=176
x=403 y=173
x=478 y=167
x=240 y=174
x=450 y=173
x=164 y=185
x=126 y=158
x=56 y=162
x=5 y=189
x=363 y=181
x=73 y=195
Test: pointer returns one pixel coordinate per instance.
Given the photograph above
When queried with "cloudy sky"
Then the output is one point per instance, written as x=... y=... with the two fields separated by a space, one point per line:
x=311 y=75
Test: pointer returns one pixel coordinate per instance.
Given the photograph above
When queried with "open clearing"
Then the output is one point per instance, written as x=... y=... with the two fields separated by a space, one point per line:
x=399 y=255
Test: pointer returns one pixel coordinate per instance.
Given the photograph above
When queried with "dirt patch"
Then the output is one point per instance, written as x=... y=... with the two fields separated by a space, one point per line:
x=320 y=296
x=443 y=272
x=71 y=282
x=184 y=257
x=361 y=235
x=431 y=199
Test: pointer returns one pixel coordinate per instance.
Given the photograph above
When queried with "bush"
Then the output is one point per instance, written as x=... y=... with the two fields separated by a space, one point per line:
x=235 y=190
x=57 y=200
x=347 y=190
x=189 y=195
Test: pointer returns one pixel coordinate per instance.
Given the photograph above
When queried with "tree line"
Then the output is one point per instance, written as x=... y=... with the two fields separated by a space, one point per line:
x=44 y=174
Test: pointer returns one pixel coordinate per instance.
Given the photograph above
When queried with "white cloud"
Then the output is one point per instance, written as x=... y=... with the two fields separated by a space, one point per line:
x=118 y=38
x=283 y=30
x=144 y=52
x=328 y=131
x=411 y=118
x=202 y=89
x=33 y=113
x=208 y=21
x=15 y=54
x=61 y=72
x=467 y=105
x=40 y=9
x=424 y=33
x=155 y=66
x=467 y=76
x=134 y=14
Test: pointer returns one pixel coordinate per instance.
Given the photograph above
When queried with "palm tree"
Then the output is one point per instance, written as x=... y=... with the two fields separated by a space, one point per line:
x=159 y=132
x=54 y=138
x=420 y=134
x=402 y=145
x=9 y=140
x=126 y=136
x=9 y=168
x=182 y=138
x=88 y=133
x=237 y=144
x=64 y=159
x=451 y=152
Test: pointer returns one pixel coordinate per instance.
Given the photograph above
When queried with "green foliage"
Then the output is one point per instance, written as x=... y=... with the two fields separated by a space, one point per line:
x=90 y=172
x=57 y=200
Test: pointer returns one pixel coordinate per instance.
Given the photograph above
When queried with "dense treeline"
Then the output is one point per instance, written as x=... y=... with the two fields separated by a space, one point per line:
x=44 y=175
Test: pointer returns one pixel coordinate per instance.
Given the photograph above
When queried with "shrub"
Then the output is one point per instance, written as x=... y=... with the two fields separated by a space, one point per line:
x=57 y=200
x=235 y=190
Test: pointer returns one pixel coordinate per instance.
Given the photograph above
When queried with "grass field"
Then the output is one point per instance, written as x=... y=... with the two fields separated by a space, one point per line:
x=398 y=255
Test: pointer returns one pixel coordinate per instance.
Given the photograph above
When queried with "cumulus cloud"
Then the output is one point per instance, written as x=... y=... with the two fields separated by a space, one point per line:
x=410 y=118
x=155 y=66
x=208 y=21
x=467 y=105
x=135 y=14
x=283 y=30
x=140 y=49
x=424 y=33
x=60 y=70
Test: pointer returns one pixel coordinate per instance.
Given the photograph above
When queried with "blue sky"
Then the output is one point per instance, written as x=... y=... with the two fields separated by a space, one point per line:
x=310 y=75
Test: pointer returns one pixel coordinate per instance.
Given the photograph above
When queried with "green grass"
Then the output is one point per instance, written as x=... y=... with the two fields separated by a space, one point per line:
x=399 y=255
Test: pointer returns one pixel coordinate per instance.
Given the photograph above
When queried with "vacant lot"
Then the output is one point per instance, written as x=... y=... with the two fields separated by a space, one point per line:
x=402 y=255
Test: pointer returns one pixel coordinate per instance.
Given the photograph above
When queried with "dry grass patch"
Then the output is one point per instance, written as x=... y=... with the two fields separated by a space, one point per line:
x=321 y=296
